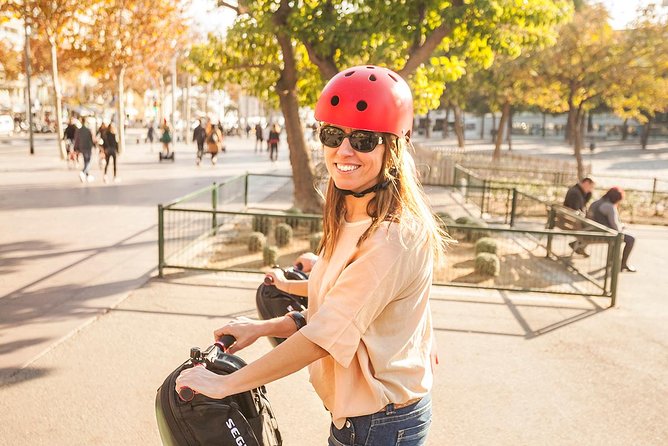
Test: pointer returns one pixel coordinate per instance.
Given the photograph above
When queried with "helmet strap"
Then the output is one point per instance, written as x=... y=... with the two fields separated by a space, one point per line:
x=375 y=188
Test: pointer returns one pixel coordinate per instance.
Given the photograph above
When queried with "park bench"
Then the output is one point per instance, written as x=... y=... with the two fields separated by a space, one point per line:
x=566 y=219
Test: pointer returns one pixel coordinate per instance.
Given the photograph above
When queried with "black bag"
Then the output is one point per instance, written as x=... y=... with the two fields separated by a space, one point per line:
x=272 y=302
x=192 y=419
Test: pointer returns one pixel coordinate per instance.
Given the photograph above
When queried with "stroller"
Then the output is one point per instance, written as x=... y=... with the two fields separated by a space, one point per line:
x=272 y=302
x=191 y=419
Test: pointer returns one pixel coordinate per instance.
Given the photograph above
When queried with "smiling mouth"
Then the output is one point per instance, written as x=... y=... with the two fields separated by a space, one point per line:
x=347 y=167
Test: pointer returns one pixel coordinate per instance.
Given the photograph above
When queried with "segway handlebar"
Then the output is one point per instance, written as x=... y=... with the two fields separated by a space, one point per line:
x=186 y=393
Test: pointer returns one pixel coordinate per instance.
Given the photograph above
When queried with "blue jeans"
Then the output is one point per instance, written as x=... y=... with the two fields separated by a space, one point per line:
x=407 y=426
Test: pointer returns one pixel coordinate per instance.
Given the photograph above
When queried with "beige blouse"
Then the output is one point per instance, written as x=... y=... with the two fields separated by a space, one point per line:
x=369 y=308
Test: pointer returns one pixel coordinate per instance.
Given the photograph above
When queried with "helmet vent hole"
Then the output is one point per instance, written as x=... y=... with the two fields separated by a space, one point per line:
x=335 y=100
x=361 y=105
x=371 y=68
x=393 y=78
x=349 y=73
x=372 y=77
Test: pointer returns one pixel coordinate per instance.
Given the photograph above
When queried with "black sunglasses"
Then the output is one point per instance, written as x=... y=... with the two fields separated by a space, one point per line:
x=360 y=140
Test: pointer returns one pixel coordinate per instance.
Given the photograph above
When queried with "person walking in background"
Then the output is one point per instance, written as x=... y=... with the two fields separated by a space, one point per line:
x=166 y=137
x=259 y=137
x=367 y=334
x=110 y=151
x=68 y=136
x=604 y=211
x=83 y=143
x=100 y=142
x=150 y=134
x=577 y=198
x=265 y=134
x=214 y=140
x=199 y=136
x=274 y=135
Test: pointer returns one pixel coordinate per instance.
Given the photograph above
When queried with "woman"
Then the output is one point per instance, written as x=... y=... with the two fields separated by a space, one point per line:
x=110 y=151
x=367 y=333
x=166 y=137
x=214 y=139
x=604 y=211
x=274 y=135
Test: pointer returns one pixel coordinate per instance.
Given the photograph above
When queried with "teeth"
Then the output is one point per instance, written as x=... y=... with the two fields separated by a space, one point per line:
x=347 y=167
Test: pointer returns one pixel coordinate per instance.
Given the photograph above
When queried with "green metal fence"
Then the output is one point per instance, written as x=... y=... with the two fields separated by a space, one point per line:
x=211 y=229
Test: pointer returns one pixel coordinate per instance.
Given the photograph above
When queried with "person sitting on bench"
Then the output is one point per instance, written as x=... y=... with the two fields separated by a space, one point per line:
x=577 y=198
x=604 y=211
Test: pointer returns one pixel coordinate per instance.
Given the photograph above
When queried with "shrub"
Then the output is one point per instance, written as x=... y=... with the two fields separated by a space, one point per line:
x=472 y=235
x=315 y=226
x=261 y=224
x=292 y=221
x=314 y=240
x=487 y=264
x=486 y=244
x=270 y=255
x=283 y=234
x=256 y=241
x=445 y=218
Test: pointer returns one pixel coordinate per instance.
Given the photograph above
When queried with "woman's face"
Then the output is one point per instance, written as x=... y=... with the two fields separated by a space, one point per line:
x=353 y=170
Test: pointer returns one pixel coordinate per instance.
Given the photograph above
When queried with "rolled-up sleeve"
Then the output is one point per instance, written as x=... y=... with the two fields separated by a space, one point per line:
x=360 y=294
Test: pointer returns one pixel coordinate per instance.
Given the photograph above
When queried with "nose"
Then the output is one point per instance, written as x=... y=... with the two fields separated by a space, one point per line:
x=345 y=149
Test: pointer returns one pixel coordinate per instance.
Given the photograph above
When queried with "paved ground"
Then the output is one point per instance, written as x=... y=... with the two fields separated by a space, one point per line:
x=86 y=338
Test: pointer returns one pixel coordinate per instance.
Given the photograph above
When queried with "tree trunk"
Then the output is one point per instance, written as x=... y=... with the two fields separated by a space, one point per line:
x=578 y=140
x=427 y=132
x=493 y=131
x=162 y=99
x=482 y=126
x=57 y=98
x=120 y=109
x=590 y=122
x=186 y=109
x=644 y=136
x=571 y=123
x=625 y=129
x=505 y=111
x=446 y=124
x=305 y=196
x=459 y=128
x=509 y=138
x=544 y=123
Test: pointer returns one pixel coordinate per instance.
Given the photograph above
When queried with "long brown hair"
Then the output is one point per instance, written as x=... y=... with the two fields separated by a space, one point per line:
x=403 y=201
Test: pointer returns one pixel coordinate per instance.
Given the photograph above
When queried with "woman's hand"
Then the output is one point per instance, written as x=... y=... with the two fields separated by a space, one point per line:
x=278 y=279
x=307 y=261
x=245 y=330
x=203 y=381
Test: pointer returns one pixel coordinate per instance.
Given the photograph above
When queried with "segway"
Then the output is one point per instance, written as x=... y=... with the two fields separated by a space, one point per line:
x=166 y=156
x=188 y=418
x=272 y=302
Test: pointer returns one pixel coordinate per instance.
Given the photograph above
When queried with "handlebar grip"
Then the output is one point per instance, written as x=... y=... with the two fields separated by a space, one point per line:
x=226 y=341
x=186 y=394
x=268 y=280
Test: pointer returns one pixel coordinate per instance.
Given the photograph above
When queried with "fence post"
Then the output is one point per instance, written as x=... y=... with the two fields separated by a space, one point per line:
x=161 y=240
x=550 y=225
x=246 y=191
x=616 y=267
x=653 y=190
x=214 y=206
x=482 y=198
x=513 y=207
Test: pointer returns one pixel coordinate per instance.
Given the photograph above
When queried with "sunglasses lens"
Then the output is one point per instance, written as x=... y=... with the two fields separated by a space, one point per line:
x=363 y=141
x=332 y=136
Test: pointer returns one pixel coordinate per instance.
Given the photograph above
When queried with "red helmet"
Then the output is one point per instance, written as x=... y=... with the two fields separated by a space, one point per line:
x=367 y=98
